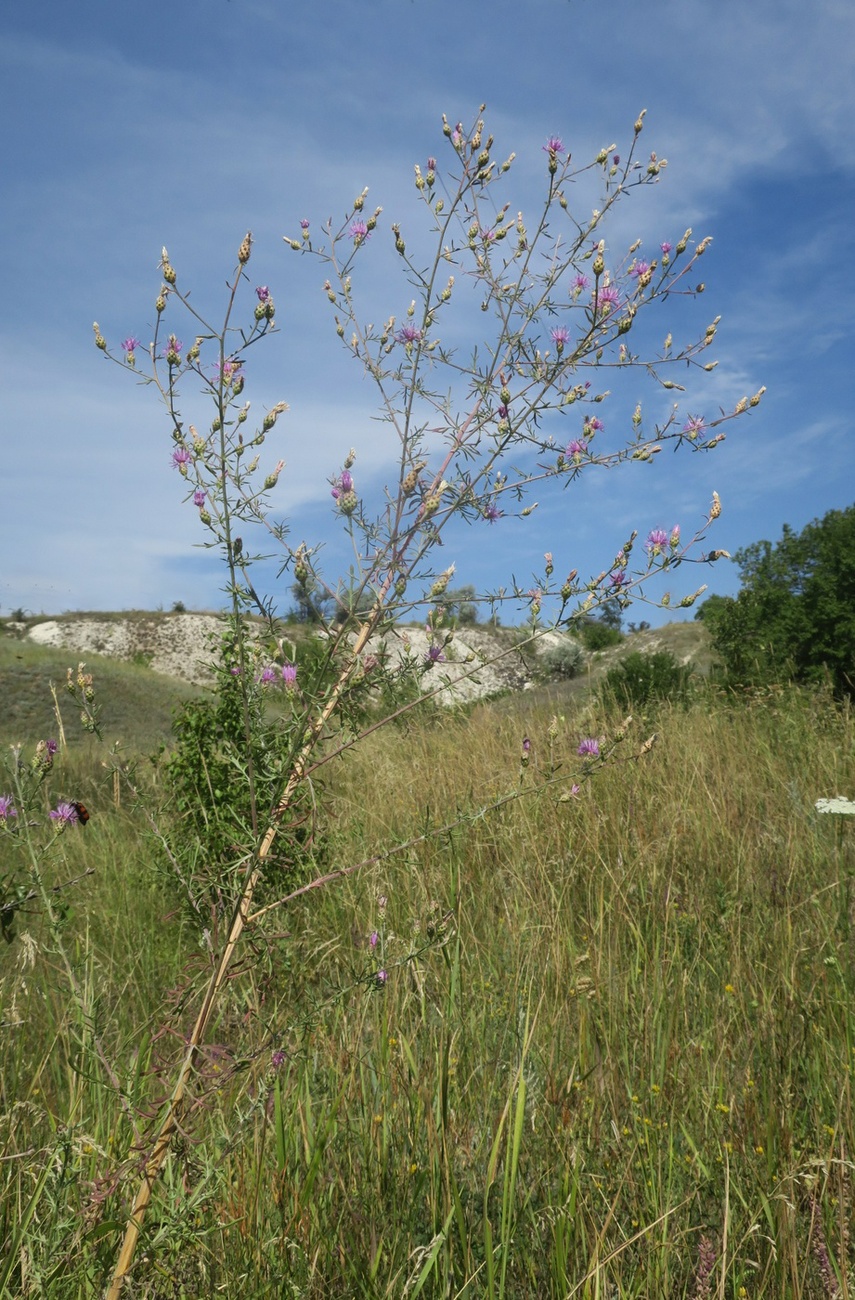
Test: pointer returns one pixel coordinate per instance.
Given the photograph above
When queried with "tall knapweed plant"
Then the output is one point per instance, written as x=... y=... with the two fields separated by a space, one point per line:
x=489 y=383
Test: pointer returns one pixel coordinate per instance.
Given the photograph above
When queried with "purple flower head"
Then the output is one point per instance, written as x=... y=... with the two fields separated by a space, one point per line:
x=7 y=808
x=502 y=411
x=342 y=484
x=434 y=655
x=581 y=282
x=431 y=164
x=594 y=425
x=675 y=537
x=374 y=939
x=130 y=344
x=262 y=293
x=172 y=350
x=574 y=789
x=51 y=746
x=359 y=232
x=304 y=223
x=492 y=513
x=589 y=748
x=560 y=336
x=554 y=145
x=526 y=745
x=616 y=160
x=199 y=497
x=608 y=298
x=618 y=579
x=409 y=334
x=277 y=1060
x=640 y=269
x=666 y=248
x=289 y=675
x=268 y=675
x=694 y=425
x=181 y=458
x=576 y=447
x=381 y=977
x=488 y=236
x=657 y=539
x=65 y=814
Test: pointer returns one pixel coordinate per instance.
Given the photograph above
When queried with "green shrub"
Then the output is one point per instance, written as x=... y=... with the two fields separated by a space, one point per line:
x=598 y=636
x=565 y=660
x=642 y=679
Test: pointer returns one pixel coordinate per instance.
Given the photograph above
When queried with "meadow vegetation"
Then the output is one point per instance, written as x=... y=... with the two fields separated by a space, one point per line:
x=593 y=1044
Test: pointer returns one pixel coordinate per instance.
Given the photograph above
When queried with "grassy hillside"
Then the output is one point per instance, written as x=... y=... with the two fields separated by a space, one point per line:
x=137 y=703
x=612 y=1052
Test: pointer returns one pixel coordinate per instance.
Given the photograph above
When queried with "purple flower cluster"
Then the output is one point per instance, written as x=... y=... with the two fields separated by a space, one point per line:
x=359 y=232
x=576 y=447
x=409 y=334
x=287 y=674
x=589 y=748
x=560 y=337
x=7 y=808
x=554 y=145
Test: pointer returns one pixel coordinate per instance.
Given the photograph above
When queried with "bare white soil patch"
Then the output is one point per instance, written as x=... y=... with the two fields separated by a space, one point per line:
x=177 y=644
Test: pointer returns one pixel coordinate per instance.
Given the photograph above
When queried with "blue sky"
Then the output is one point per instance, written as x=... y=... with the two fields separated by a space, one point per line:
x=130 y=128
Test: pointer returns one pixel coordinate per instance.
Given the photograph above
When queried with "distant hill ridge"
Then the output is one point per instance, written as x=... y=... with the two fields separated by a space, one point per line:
x=180 y=645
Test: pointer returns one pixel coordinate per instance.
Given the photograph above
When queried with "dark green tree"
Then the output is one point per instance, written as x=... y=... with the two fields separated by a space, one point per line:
x=460 y=603
x=795 y=615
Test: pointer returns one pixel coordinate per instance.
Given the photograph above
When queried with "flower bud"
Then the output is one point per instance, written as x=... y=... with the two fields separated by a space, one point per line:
x=100 y=341
x=273 y=479
x=160 y=304
x=441 y=583
x=715 y=508
x=260 y=311
x=204 y=517
x=246 y=248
